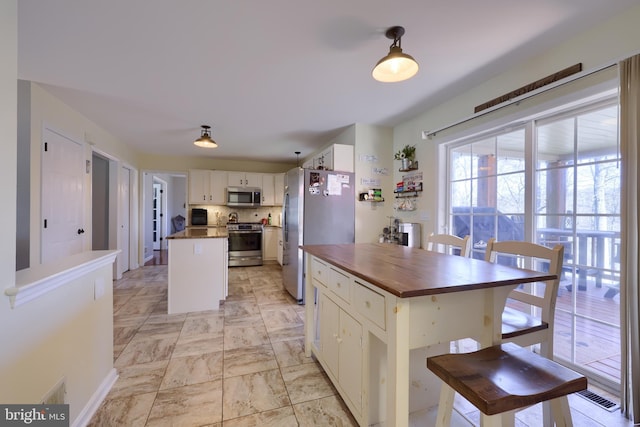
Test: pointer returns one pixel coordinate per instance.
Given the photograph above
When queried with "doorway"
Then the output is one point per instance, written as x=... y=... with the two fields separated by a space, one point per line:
x=114 y=211
x=164 y=197
x=157 y=219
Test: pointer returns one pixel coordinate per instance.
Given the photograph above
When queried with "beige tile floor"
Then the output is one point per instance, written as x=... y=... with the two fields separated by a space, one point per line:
x=243 y=365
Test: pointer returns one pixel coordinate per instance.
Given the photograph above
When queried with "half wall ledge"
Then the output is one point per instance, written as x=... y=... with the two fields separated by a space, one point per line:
x=34 y=282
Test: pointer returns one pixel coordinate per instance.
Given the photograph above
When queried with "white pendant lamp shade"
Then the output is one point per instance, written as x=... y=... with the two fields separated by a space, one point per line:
x=396 y=66
x=205 y=140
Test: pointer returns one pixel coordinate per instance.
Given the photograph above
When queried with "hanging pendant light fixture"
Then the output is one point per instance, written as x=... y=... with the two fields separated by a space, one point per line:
x=396 y=66
x=205 y=140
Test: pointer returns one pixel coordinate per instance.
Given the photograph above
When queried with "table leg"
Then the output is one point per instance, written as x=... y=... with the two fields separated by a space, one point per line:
x=398 y=368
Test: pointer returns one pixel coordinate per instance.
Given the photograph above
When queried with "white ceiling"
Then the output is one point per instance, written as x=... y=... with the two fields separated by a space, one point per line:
x=279 y=76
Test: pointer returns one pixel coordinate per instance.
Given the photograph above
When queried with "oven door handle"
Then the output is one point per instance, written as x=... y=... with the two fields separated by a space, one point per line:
x=244 y=232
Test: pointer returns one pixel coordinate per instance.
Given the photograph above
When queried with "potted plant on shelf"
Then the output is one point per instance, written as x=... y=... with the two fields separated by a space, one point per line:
x=406 y=155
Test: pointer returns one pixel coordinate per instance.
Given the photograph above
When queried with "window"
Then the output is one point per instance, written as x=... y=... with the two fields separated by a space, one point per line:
x=553 y=181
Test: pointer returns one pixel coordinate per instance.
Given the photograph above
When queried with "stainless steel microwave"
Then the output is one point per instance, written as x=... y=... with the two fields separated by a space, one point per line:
x=244 y=196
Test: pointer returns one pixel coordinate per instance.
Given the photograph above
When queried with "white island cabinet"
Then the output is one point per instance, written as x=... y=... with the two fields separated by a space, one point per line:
x=198 y=263
x=374 y=313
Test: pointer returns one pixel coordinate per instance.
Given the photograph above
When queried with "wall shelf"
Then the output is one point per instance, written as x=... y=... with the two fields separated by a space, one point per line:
x=412 y=193
x=408 y=170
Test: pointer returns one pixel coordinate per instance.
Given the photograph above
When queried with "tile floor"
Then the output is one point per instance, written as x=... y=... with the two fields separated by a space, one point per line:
x=243 y=365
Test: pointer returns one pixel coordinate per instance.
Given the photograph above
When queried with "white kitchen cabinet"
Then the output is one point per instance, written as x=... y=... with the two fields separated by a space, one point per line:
x=337 y=157
x=218 y=187
x=278 y=184
x=244 y=179
x=341 y=347
x=272 y=189
x=207 y=187
x=199 y=186
x=268 y=189
x=270 y=237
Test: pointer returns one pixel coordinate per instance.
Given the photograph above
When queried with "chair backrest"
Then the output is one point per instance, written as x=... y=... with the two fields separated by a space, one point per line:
x=449 y=242
x=532 y=257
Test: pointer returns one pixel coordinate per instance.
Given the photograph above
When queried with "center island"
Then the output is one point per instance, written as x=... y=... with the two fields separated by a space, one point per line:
x=198 y=269
x=374 y=312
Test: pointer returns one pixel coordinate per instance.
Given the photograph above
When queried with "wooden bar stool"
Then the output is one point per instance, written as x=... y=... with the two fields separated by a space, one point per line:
x=502 y=379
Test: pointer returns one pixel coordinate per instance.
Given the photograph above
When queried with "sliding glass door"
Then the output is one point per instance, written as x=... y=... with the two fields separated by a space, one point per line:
x=553 y=181
x=578 y=206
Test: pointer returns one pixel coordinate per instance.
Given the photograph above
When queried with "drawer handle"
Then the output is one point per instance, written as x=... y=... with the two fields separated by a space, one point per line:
x=339 y=284
x=367 y=304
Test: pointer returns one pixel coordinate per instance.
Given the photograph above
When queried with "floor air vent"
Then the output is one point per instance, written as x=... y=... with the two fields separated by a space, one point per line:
x=598 y=400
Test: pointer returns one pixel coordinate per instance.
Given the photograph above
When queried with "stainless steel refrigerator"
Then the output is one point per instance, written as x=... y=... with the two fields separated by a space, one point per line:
x=319 y=208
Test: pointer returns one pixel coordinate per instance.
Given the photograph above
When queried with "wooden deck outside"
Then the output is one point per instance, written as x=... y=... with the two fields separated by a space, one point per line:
x=597 y=342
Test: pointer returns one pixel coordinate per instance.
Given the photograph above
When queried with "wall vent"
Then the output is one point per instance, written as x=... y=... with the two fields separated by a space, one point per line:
x=598 y=400
x=56 y=396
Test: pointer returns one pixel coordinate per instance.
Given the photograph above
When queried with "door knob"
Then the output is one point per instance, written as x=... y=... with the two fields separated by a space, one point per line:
x=80 y=230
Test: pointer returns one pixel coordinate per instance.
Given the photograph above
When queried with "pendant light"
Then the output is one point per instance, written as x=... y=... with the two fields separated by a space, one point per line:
x=205 y=140
x=396 y=66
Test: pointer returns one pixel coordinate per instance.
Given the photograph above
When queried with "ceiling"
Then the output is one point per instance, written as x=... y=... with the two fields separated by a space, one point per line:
x=279 y=76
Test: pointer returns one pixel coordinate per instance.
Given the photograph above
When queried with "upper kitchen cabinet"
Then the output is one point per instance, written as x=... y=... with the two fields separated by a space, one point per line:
x=272 y=189
x=218 y=185
x=244 y=179
x=207 y=187
x=199 y=186
x=337 y=157
x=279 y=188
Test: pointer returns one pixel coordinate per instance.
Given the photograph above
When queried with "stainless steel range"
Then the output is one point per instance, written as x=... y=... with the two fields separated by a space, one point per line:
x=245 y=244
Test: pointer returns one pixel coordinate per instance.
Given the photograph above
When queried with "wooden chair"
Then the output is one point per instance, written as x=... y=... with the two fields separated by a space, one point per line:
x=434 y=241
x=501 y=379
x=528 y=317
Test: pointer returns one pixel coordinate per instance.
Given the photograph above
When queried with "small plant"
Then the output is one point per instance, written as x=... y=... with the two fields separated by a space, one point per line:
x=408 y=152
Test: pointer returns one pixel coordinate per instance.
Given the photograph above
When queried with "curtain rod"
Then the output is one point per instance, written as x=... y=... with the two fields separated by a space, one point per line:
x=431 y=134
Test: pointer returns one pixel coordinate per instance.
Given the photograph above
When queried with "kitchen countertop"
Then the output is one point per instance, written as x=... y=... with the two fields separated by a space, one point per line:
x=409 y=272
x=201 y=233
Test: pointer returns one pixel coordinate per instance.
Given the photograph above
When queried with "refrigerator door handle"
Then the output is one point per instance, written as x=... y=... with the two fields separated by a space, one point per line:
x=285 y=219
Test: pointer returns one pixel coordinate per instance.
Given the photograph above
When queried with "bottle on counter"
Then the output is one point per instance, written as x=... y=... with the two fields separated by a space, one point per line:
x=269 y=219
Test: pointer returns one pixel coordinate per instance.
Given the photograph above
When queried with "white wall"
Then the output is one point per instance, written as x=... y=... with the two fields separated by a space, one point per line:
x=8 y=138
x=62 y=333
x=46 y=110
x=373 y=153
x=604 y=44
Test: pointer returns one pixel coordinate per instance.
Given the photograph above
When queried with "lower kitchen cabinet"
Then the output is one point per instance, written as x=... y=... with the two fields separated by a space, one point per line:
x=341 y=347
x=270 y=237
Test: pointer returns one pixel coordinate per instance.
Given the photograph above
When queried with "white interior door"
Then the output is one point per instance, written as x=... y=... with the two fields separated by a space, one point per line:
x=125 y=228
x=62 y=222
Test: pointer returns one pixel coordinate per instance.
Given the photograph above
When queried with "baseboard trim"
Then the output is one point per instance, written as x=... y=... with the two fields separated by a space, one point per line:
x=96 y=400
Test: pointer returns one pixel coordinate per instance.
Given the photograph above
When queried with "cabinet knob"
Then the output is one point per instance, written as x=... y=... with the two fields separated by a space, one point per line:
x=367 y=304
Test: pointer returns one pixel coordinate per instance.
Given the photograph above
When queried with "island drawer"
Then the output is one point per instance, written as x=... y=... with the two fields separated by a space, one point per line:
x=319 y=271
x=339 y=283
x=369 y=303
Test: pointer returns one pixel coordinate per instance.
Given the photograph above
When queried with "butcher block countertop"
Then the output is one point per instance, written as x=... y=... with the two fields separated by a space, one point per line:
x=201 y=233
x=410 y=272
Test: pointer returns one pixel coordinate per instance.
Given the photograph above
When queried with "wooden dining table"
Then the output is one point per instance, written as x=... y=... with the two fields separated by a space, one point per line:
x=405 y=303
